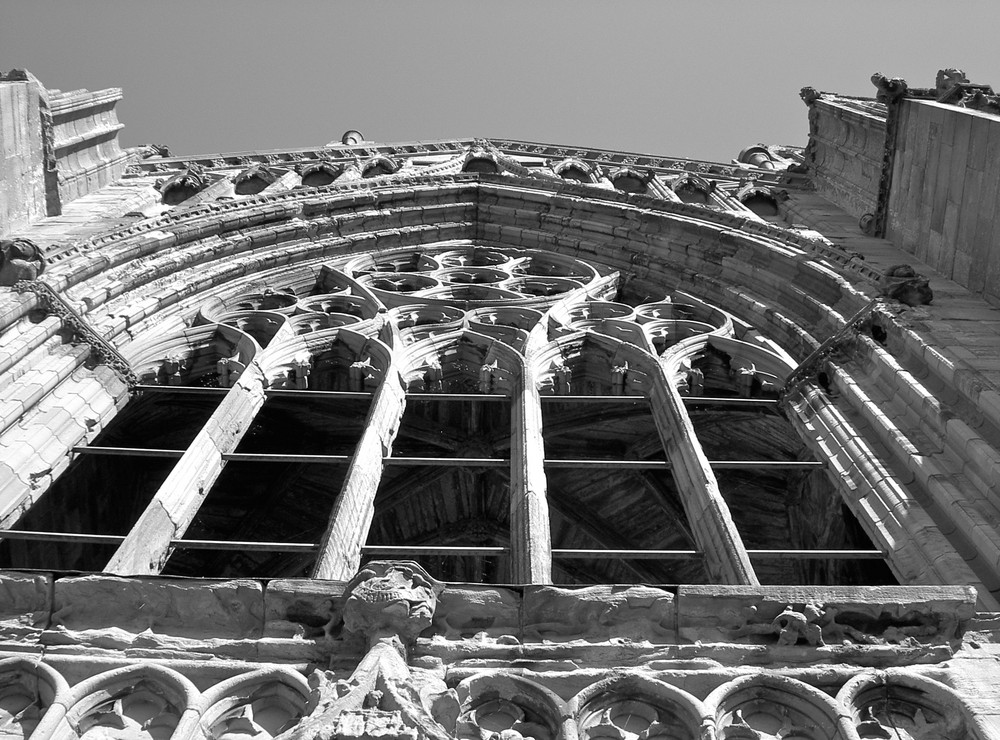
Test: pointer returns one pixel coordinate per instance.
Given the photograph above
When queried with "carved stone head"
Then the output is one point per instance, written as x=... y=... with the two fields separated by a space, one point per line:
x=389 y=597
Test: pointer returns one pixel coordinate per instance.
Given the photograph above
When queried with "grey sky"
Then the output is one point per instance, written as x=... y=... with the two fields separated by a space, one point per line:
x=687 y=79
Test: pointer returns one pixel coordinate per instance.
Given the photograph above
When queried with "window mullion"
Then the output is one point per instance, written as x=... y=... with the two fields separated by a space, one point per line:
x=726 y=558
x=351 y=518
x=147 y=546
x=530 y=535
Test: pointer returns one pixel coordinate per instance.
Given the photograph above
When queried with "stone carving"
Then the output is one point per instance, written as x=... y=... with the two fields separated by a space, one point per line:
x=819 y=624
x=467 y=611
x=391 y=597
x=809 y=95
x=183 y=185
x=890 y=89
x=599 y=612
x=902 y=283
x=20 y=259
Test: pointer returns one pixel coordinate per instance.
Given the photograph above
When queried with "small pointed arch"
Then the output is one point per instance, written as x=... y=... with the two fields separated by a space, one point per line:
x=576 y=170
x=146 y=701
x=762 y=200
x=347 y=361
x=898 y=704
x=317 y=173
x=631 y=180
x=27 y=689
x=254 y=179
x=589 y=363
x=379 y=167
x=481 y=158
x=213 y=355
x=262 y=704
x=263 y=326
x=184 y=185
x=416 y=322
x=493 y=702
x=628 y=706
x=692 y=188
x=461 y=362
x=772 y=704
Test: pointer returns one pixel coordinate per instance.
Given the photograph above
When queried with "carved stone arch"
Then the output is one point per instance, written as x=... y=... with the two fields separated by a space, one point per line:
x=177 y=189
x=212 y=354
x=762 y=200
x=900 y=705
x=631 y=706
x=631 y=180
x=461 y=361
x=379 y=167
x=692 y=188
x=316 y=174
x=29 y=692
x=347 y=360
x=766 y=706
x=254 y=179
x=576 y=170
x=262 y=704
x=482 y=159
x=146 y=701
x=494 y=702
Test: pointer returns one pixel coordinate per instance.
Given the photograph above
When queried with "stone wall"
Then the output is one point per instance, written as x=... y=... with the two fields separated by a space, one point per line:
x=845 y=152
x=942 y=206
x=22 y=169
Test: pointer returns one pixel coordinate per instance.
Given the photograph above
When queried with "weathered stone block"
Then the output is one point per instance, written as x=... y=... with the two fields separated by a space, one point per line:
x=183 y=608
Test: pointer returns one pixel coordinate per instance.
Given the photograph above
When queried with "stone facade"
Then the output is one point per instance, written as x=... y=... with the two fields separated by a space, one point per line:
x=494 y=439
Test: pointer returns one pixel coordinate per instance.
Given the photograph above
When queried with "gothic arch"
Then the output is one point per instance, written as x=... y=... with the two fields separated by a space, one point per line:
x=492 y=702
x=629 y=706
x=772 y=706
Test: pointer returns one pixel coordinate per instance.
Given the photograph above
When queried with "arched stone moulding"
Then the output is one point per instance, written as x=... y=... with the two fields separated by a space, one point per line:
x=627 y=707
x=897 y=703
x=29 y=689
x=147 y=701
x=766 y=706
x=493 y=701
x=262 y=704
x=662 y=247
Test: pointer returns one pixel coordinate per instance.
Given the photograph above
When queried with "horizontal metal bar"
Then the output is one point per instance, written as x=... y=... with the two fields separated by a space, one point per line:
x=112 y=539
x=128 y=451
x=450 y=462
x=431 y=550
x=294 y=393
x=189 y=389
x=627 y=554
x=474 y=462
x=277 y=457
x=817 y=554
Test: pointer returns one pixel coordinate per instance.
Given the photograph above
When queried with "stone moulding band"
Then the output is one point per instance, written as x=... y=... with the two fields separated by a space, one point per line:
x=49 y=300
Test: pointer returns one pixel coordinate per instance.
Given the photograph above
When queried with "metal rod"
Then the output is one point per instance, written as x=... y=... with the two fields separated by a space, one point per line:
x=294 y=392
x=276 y=457
x=112 y=539
x=474 y=462
x=128 y=451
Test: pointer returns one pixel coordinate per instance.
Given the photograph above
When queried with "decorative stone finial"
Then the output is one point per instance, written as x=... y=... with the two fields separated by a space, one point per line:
x=391 y=597
x=809 y=95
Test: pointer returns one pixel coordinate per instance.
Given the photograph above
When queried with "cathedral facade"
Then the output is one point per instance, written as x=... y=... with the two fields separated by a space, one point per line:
x=486 y=439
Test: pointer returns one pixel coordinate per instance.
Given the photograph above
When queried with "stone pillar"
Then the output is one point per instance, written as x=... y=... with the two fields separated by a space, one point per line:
x=340 y=549
x=530 y=535
x=726 y=558
x=147 y=546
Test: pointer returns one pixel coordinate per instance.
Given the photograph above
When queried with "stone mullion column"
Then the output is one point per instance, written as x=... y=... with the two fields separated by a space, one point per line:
x=714 y=531
x=530 y=535
x=173 y=507
x=340 y=549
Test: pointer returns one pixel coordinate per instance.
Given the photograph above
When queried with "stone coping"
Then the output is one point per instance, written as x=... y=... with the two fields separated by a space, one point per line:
x=302 y=619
